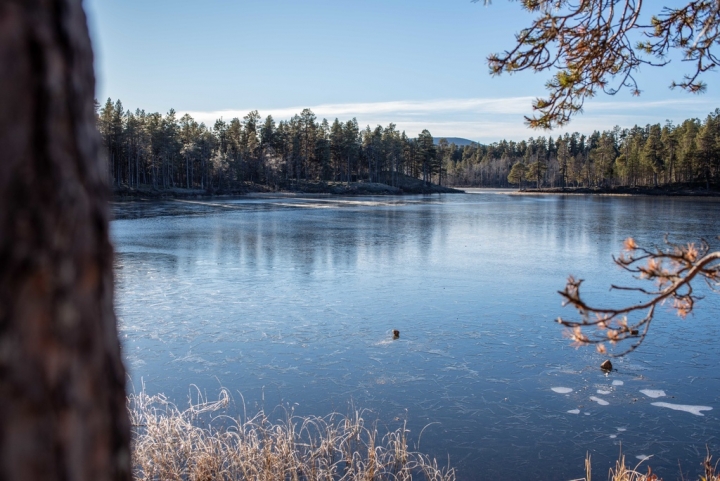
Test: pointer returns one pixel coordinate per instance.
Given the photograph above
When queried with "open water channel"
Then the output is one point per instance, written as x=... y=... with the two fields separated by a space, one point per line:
x=291 y=301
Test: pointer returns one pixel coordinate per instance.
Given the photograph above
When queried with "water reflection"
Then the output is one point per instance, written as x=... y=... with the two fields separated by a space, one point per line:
x=293 y=300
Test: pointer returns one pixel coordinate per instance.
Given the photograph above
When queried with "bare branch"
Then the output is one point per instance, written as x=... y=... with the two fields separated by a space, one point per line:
x=589 y=46
x=687 y=262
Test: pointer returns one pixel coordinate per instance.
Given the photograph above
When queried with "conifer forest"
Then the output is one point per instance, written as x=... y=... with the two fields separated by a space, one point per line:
x=164 y=151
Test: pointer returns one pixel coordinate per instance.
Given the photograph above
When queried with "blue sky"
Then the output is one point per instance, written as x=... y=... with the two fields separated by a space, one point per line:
x=417 y=63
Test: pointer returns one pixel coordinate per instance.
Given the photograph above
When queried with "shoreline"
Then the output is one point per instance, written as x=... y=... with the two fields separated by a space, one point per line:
x=405 y=187
x=662 y=191
x=415 y=187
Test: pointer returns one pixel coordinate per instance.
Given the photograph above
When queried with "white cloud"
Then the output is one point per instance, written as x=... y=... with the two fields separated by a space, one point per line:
x=487 y=119
x=401 y=107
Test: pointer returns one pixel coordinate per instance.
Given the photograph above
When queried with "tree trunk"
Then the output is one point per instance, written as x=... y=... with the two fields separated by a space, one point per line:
x=63 y=412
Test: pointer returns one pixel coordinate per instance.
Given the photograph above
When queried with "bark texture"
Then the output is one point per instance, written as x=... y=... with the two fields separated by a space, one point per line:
x=62 y=398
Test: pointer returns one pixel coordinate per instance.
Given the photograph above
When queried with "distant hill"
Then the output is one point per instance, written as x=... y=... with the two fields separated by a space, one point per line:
x=460 y=142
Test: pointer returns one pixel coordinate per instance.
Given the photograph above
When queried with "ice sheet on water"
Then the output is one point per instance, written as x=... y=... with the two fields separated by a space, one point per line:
x=617 y=383
x=437 y=352
x=192 y=358
x=653 y=393
x=598 y=400
x=696 y=410
x=613 y=436
x=574 y=411
x=562 y=390
x=602 y=391
x=622 y=429
x=642 y=457
x=305 y=205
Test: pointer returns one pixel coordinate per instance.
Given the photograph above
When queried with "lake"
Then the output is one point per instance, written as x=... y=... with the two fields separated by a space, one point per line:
x=290 y=302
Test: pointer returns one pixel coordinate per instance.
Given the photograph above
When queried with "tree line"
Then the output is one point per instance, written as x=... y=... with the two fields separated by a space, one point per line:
x=639 y=156
x=164 y=151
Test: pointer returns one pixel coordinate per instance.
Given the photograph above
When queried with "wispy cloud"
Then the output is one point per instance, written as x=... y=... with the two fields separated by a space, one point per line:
x=486 y=119
x=401 y=107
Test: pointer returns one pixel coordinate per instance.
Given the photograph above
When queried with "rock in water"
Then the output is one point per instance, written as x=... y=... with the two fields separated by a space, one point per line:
x=606 y=365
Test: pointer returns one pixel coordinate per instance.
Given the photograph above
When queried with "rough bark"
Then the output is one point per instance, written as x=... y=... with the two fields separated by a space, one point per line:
x=62 y=398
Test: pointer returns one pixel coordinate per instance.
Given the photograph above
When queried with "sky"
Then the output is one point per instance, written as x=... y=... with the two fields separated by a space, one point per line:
x=420 y=64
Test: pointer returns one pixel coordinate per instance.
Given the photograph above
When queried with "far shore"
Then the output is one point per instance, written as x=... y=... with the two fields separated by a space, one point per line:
x=407 y=186
x=673 y=190
x=403 y=186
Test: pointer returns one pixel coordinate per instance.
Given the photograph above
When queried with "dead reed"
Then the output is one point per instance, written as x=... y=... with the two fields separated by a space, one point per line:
x=623 y=473
x=200 y=443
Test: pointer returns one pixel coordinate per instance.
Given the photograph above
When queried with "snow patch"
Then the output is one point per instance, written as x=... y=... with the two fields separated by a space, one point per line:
x=653 y=393
x=683 y=407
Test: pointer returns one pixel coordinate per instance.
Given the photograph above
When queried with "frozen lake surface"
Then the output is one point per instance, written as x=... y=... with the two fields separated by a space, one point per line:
x=291 y=301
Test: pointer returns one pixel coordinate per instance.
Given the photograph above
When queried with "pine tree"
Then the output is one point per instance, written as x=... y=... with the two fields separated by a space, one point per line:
x=652 y=152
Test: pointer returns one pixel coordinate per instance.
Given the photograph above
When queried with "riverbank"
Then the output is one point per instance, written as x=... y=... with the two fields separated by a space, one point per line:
x=402 y=185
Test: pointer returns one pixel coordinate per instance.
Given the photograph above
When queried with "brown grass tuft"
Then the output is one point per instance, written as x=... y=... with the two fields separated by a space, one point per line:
x=623 y=473
x=199 y=443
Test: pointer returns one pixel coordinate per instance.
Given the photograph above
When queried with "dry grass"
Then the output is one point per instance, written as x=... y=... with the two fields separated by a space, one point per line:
x=199 y=443
x=623 y=473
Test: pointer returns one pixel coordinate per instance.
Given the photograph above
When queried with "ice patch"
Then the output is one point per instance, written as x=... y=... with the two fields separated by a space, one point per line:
x=598 y=400
x=618 y=383
x=683 y=407
x=562 y=390
x=642 y=457
x=653 y=393
x=600 y=391
x=613 y=436
x=622 y=430
x=574 y=411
